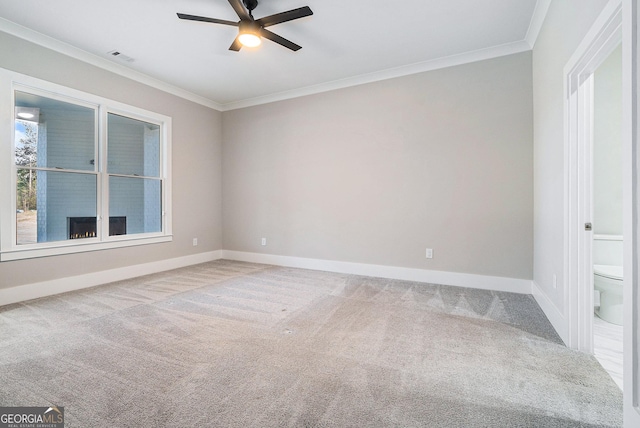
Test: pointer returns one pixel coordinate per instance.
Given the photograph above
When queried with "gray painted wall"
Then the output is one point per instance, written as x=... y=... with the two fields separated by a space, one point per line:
x=565 y=26
x=379 y=172
x=196 y=165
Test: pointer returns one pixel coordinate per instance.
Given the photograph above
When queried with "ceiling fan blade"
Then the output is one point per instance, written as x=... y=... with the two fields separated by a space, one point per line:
x=236 y=45
x=205 y=19
x=240 y=10
x=279 y=40
x=290 y=15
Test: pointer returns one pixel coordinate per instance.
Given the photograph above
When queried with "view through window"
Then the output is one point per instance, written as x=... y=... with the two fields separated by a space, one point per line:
x=62 y=190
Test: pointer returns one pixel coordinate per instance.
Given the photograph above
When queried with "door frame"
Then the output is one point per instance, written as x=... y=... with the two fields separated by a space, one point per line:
x=603 y=37
x=618 y=22
x=631 y=171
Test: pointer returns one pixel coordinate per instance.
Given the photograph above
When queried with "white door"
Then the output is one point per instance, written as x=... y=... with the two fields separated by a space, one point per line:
x=631 y=83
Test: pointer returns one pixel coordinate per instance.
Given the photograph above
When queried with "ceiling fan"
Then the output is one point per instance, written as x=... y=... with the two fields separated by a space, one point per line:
x=250 y=29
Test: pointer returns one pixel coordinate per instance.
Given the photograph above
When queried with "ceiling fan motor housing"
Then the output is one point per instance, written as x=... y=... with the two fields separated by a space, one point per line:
x=249 y=27
x=250 y=4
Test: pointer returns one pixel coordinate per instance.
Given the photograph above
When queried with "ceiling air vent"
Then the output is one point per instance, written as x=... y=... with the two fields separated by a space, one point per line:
x=122 y=57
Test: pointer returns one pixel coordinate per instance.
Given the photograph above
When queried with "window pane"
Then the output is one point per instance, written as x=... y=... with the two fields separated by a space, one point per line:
x=133 y=146
x=52 y=207
x=136 y=203
x=53 y=134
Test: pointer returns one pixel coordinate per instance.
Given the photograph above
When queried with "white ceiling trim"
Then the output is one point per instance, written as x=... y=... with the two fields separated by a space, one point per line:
x=82 y=55
x=539 y=14
x=435 y=64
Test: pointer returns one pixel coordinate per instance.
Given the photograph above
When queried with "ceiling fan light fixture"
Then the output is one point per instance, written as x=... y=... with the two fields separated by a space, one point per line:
x=249 y=39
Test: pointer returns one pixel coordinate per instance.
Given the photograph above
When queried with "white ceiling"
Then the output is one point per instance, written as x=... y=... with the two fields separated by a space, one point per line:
x=344 y=42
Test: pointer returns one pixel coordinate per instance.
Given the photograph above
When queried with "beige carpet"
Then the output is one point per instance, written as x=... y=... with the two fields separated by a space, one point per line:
x=233 y=344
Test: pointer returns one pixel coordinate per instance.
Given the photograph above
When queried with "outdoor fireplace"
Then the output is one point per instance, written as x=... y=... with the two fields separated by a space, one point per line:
x=85 y=227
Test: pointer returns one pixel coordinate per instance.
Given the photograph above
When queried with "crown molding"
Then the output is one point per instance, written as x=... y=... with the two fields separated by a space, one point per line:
x=420 y=67
x=32 y=36
x=539 y=14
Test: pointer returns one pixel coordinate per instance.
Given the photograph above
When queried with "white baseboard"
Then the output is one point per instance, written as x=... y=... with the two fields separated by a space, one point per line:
x=554 y=315
x=496 y=283
x=62 y=285
x=55 y=286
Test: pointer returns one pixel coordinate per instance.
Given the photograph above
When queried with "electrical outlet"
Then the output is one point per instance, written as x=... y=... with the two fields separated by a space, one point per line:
x=429 y=253
x=264 y=241
x=195 y=242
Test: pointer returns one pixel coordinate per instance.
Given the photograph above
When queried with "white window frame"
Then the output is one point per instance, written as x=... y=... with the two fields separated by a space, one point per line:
x=10 y=82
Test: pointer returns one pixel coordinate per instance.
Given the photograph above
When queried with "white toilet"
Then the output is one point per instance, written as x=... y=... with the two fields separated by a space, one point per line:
x=607 y=280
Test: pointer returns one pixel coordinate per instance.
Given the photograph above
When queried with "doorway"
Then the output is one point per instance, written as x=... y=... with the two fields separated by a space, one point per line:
x=597 y=47
x=607 y=214
x=611 y=28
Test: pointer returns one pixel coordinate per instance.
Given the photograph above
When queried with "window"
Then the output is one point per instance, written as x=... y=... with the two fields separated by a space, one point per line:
x=135 y=185
x=87 y=174
x=56 y=176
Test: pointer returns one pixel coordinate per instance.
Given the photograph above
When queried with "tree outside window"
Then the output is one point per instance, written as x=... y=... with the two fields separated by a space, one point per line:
x=26 y=156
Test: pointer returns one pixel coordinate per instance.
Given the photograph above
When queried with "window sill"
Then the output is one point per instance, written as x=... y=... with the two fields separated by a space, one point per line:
x=64 y=247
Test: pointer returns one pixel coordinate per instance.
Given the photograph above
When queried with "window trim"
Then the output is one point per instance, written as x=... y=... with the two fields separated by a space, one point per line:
x=10 y=82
